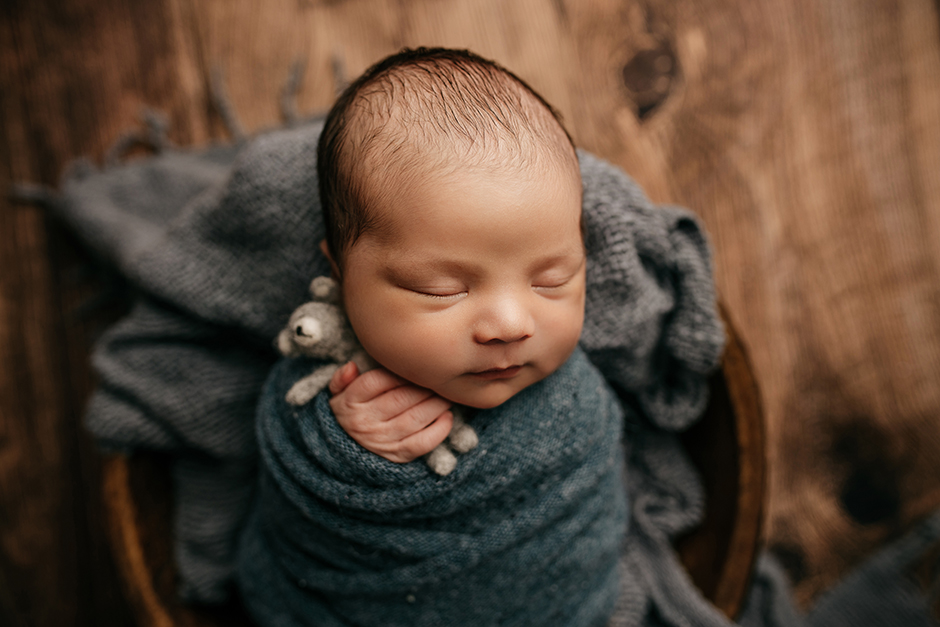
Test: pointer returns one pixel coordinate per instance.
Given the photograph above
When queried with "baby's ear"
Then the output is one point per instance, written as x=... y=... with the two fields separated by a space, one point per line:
x=334 y=267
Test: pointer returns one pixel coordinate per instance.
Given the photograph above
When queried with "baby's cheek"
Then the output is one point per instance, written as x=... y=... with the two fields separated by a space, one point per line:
x=421 y=352
x=432 y=345
x=564 y=331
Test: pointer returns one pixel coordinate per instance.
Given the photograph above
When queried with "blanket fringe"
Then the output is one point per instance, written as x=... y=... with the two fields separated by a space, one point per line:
x=223 y=105
x=32 y=194
x=289 y=93
x=153 y=136
x=340 y=79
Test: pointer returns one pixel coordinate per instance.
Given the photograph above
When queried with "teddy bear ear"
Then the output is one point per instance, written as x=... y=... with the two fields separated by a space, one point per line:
x=285 y=343
x=324 y=289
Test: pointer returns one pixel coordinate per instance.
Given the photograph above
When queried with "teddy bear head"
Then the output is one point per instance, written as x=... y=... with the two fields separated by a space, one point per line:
x=319 y=328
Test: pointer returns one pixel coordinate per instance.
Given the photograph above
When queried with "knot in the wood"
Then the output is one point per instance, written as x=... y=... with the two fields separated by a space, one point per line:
x=649 y=77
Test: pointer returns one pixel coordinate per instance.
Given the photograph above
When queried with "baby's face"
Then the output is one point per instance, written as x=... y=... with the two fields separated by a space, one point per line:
x=474 y=288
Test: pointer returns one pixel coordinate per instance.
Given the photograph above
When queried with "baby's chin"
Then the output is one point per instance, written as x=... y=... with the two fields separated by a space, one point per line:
x=483 y=404
x=491 y=395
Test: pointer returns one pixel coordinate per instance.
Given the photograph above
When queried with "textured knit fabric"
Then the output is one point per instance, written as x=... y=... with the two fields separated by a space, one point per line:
x=222 y=244
x=525 y=531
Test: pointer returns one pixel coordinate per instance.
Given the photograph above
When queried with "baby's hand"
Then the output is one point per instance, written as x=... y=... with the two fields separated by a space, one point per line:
x=387 y=415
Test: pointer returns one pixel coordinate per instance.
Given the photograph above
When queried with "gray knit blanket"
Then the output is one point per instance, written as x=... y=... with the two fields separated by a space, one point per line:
x=221 y=245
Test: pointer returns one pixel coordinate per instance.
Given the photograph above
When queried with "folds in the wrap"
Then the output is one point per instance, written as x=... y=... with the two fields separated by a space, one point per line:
x=525 y=531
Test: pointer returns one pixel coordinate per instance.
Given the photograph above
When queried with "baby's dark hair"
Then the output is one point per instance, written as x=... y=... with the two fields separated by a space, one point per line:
x=418 y=109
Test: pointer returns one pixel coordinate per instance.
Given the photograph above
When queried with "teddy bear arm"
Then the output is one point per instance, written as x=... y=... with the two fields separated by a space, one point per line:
x=304 y=390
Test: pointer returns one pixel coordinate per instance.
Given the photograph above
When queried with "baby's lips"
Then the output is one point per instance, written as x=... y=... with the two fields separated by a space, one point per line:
x=498 y=373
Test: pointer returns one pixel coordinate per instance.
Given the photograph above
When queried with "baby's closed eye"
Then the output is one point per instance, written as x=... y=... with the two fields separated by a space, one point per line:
x=551 y=282
x=558 y=272
x=437 y=291
x=439 y=294
x=554 y=279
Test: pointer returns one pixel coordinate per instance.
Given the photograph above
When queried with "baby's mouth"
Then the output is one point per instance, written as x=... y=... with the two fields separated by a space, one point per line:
x=498 y=373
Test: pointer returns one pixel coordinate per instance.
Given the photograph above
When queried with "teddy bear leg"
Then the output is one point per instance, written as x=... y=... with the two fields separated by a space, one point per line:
x=463 y=438
x=441 y=460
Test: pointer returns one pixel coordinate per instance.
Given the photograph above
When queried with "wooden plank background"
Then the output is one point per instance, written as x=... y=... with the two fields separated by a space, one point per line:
x=805 y=133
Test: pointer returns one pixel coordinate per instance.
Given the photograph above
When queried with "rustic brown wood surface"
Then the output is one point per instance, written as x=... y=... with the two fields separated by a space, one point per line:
x=806 y=134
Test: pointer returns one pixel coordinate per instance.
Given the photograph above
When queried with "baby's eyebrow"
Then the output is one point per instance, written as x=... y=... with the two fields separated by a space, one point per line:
x=559 y=259
x=408 y=266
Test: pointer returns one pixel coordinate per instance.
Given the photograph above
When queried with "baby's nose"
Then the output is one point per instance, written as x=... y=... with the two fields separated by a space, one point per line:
x=505 y=322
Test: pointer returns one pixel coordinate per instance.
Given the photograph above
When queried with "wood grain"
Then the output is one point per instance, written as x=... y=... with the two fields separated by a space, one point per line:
x=74 y=76
x=806 y=135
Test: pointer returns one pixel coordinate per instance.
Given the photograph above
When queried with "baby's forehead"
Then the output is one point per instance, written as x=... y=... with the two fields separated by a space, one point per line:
x=417 y=165
x=456 y=190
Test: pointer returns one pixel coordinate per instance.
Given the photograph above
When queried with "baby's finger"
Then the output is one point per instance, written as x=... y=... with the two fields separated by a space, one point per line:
x=417 y=417
x=426 y=440
x=343 y=377
x=371 y=384
x=403 y=398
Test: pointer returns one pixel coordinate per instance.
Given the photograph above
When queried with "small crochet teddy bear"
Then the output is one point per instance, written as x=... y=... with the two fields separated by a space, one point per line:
x=320 y=329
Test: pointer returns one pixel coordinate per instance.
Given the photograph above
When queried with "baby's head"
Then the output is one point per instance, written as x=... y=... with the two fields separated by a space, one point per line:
x=452 y=202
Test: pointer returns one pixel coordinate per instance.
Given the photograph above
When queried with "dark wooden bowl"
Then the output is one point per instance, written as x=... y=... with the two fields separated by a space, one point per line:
x=726 y=445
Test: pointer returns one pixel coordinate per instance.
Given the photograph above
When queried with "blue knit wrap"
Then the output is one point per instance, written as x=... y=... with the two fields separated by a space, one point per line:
x=525 y=531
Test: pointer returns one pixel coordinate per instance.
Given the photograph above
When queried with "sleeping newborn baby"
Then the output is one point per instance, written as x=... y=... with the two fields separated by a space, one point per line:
x=451 y=197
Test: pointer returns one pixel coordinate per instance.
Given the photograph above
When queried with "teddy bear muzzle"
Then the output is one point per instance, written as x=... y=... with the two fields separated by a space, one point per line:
x=308 y=331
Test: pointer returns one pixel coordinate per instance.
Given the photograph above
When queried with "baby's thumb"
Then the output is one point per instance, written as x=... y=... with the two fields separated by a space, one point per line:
x=343 y=377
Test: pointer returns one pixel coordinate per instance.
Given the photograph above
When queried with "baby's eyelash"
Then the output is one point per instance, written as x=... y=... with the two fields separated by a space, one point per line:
x=438 y=296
